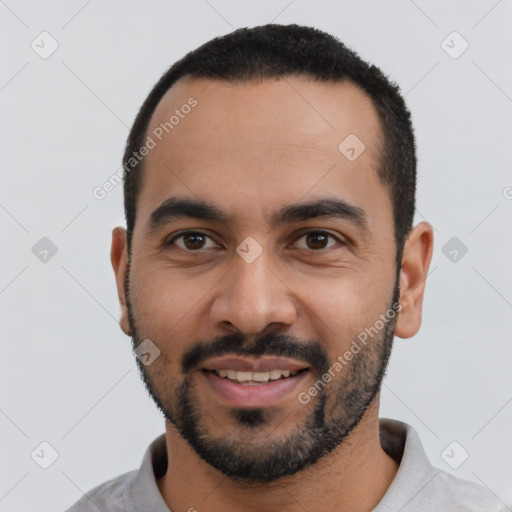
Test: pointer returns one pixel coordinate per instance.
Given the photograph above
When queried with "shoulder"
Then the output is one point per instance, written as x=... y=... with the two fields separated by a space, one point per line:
x=105 y=496
x=420 y=486
x=453 y=493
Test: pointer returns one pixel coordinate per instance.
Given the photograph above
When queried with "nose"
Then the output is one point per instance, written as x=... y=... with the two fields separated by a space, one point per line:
x=251 y=297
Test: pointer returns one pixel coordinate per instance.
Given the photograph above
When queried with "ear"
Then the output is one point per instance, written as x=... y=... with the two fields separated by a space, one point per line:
x=415 y=264
x=119 y=259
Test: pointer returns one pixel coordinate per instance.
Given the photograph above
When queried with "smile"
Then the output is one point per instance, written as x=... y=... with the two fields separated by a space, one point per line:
x=253 y=389
x=255 y=378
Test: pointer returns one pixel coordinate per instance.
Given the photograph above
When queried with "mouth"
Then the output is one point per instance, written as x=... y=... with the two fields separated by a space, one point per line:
x=247 y=378
x=239 y=388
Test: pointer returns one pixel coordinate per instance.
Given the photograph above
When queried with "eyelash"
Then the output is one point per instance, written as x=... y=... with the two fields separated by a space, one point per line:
x=184 y=233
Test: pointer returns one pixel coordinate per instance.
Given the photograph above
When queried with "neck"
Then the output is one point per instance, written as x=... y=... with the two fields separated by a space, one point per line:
x=353 y=477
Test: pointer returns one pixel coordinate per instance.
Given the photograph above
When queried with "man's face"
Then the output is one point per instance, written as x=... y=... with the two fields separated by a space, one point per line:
x=300 y=288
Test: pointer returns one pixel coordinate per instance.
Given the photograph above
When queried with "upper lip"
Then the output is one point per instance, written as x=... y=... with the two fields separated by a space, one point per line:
x=261 y=364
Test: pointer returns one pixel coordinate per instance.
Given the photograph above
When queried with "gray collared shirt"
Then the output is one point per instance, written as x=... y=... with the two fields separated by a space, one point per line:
x=417 y=487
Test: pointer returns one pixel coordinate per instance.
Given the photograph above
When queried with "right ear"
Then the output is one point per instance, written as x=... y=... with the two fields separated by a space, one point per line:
x=119 y=259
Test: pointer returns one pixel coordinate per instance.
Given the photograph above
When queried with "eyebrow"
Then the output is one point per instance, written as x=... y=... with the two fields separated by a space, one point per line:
x=181 y=208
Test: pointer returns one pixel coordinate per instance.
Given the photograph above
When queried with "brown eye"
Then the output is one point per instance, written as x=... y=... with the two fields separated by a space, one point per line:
x=317 y=240
x=190 y=240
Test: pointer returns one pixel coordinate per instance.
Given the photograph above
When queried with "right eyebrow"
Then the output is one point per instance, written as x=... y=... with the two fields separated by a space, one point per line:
x=180 y=208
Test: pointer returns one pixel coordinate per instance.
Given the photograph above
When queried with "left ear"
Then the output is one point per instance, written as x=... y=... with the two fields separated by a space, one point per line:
x=415 y=264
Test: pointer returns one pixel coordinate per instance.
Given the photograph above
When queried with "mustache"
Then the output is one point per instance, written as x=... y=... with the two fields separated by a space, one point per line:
x=269 y=344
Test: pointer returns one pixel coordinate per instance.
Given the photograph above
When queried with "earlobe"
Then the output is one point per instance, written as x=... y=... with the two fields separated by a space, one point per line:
x=415 y=264
x=119 y=260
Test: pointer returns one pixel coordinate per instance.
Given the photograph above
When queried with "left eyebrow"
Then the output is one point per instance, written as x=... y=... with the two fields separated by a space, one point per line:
x=179 y=208
x=326 y=208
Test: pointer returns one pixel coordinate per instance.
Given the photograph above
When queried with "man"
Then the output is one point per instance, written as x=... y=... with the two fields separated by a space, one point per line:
x=269 y=259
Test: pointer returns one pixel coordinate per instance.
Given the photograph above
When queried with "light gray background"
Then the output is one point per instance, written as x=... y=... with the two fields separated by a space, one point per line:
x=67 y=374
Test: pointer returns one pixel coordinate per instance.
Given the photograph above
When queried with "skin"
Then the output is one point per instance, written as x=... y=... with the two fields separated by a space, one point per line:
x=252 y=149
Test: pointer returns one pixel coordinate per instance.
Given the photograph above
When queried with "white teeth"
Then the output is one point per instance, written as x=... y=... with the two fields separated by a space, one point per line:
x=260 y=376
x=243 y=376
x=275 y=374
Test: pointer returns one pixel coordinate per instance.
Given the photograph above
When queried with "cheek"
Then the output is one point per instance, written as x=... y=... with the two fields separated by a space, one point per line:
x=340 y=309
x=166 y=302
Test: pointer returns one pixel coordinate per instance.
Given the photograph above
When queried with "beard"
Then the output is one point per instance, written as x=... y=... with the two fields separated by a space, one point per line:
x=249 y=454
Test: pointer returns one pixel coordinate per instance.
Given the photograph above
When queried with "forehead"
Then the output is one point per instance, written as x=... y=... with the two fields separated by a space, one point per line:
x=252 y=147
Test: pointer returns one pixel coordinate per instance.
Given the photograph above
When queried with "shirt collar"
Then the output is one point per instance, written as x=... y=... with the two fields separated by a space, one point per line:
x=141 y=492
x=415 y=473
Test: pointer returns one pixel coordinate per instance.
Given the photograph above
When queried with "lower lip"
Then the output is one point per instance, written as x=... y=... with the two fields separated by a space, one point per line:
x=260 y=395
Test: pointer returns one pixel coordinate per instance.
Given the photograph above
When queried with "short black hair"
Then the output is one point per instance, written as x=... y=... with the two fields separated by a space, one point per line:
x=273 y=51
